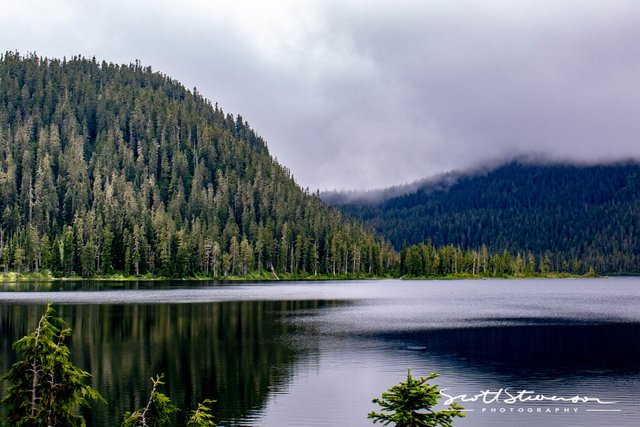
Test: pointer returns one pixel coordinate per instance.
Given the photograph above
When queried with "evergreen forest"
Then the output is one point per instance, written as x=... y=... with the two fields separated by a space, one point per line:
x=113 y=170
x=568 y=217
x=107 y=168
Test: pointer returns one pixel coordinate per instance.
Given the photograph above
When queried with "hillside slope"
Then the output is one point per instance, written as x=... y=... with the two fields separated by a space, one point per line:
x=587 y=213
x=107 y=168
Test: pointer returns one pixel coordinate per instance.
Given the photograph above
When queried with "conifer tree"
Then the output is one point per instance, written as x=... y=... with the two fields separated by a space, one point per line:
x=201 y=416
x=45 y=388
x=158 y=411
x=410 y=404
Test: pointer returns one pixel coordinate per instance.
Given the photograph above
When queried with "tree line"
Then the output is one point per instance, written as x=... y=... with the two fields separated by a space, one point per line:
x=426 y=260
x=569 y=213
x=107 y=168
x=116 y=169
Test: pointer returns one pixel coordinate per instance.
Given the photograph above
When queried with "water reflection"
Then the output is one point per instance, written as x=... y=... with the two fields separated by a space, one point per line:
x=287 y=355
x=102 y=285
x=543 y=350
x=334 y=385
x=234 y=352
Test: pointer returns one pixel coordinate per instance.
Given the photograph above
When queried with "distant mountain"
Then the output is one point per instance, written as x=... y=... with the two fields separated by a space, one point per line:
x=591 y=213
x=107 y=168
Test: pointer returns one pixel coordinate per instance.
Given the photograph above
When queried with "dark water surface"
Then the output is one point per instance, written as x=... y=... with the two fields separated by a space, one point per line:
x=315 y=354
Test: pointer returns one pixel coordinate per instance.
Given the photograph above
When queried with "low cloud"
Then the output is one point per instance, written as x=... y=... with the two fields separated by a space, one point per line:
x=352 y=94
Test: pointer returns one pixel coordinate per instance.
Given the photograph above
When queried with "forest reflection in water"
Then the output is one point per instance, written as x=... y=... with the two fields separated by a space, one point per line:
x=315 y=354
x=234 y=352
x=538 y=349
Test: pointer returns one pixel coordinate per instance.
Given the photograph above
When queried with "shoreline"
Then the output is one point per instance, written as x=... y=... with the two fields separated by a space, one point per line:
x=13 y=277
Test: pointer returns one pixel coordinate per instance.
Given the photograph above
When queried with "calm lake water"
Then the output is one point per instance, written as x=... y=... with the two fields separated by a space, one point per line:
x=315 y=354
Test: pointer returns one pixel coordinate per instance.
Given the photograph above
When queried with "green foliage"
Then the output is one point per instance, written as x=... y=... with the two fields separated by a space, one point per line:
x=157 y=413
x=201 y=416
x=45 y=388
x=108 y=169
x=584 y=216
x=118 y=169
x=410 y=404
x=426 y=260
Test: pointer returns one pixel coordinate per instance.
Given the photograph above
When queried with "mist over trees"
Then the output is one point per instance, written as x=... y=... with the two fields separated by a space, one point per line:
x=108 y=169
x=574 y=217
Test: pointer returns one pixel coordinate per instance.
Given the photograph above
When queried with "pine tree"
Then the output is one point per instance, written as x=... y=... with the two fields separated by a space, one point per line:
x=45 y=388
x=158 y=411
x=201 y=416
x=410 y=404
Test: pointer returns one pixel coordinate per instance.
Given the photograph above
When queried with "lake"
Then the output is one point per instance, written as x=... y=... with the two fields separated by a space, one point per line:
x=316 y=353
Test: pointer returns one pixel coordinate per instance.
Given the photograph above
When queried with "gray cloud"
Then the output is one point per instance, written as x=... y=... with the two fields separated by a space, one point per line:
x=360 y=94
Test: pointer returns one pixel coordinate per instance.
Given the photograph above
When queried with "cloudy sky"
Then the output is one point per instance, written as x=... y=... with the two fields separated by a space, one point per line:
x=365 y=94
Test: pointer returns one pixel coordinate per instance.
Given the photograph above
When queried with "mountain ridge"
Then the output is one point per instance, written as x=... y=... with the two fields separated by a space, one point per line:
x=116 y=168
x=444 y=180
x=573 y=211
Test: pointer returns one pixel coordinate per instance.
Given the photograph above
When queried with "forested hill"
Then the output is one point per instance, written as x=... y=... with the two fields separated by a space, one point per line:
x=107 y=168
x=591 y=214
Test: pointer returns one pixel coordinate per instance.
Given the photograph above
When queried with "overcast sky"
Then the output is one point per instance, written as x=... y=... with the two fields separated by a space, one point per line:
x=367 y=93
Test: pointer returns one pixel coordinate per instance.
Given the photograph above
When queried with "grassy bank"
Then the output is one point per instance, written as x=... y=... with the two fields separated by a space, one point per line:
x=254 y=277
x=266 y=276
x=463 y=276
